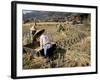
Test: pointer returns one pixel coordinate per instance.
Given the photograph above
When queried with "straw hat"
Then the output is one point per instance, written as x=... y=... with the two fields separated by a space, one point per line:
x=38 y=33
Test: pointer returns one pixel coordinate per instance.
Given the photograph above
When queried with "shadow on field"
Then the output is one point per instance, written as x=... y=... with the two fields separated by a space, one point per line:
x=53 y=60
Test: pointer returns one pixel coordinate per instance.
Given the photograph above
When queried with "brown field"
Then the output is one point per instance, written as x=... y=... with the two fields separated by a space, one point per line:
x=73 y=46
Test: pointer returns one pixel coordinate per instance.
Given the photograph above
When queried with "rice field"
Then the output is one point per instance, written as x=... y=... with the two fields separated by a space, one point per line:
x=73 y=46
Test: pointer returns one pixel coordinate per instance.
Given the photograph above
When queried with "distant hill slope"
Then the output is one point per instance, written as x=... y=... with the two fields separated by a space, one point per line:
x=42 y=15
